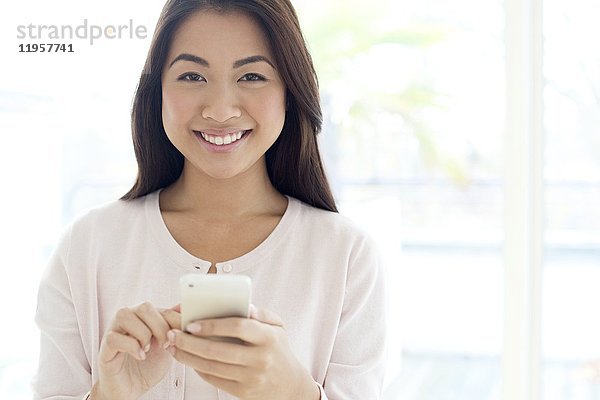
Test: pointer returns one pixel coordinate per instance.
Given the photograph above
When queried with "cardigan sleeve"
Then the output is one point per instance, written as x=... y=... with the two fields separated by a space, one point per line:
x=357 y=366
x=63 y=372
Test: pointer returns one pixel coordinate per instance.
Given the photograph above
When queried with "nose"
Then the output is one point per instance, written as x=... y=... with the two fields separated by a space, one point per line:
x=221 y=104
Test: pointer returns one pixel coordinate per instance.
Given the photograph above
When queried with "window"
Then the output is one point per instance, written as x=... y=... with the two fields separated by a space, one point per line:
x=570 y=349
x=414 y=94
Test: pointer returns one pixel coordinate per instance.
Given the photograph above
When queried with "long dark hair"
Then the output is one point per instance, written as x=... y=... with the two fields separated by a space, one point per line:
x=293 y=162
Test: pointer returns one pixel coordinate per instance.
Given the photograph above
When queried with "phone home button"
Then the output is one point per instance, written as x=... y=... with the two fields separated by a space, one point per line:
x=227 y=268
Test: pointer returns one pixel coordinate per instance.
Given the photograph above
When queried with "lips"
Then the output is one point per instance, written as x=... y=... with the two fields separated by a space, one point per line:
x=222 y=138
x=222 y=148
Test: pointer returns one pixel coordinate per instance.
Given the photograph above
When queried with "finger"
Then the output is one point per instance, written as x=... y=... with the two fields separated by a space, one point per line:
x=210 y=349
x=176 y=308
x=248 y=330
x=126 y=321
x=264 y=315
x=154 y=320
x=219 y=369
x=173 y=318
x=114 y=343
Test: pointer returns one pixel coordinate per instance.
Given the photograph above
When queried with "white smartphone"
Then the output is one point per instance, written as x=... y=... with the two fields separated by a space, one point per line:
x=206 y=296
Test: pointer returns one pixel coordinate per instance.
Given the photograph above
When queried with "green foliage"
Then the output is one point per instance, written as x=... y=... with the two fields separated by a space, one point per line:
x=340 y=33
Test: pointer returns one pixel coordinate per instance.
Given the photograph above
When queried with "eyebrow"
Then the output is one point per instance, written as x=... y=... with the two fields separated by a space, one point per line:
x=237 y=64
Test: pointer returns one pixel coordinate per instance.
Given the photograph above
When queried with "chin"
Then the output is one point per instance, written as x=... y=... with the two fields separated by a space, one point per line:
x=225 y=170
x=223 y=175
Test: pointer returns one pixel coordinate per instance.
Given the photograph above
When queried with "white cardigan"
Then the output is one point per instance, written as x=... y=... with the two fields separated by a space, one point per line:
x=316 y=270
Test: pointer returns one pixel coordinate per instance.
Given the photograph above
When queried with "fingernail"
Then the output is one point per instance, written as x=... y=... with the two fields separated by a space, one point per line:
x=194 y=327
x=147 y=348
x=171 y=337
x=142 y=355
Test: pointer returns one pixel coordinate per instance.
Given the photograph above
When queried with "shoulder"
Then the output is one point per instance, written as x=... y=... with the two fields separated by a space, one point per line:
x=333 y=226
x=105 y=228
x=109 y=219
x=347 y=248
x=110 y=213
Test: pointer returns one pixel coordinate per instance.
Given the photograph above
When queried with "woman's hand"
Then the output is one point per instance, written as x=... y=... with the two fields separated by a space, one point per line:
x=262 y=367
x=132 y=356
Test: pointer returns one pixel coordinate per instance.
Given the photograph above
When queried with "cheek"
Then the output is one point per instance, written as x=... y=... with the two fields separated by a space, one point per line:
x=273 y=109
x=176 y=109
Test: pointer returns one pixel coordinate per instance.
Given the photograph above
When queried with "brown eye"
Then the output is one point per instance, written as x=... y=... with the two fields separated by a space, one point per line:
x=191 y=77
x=252 y=77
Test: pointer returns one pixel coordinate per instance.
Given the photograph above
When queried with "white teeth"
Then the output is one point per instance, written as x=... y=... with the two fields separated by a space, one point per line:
x=222 y=140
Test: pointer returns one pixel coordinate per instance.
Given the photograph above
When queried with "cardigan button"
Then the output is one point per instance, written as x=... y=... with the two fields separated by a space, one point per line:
x=227 y=268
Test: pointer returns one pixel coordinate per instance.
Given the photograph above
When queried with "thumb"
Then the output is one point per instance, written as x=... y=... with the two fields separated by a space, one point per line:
x=266 y=316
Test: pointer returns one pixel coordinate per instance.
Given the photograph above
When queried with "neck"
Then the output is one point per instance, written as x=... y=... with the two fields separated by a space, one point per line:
x=246 y=195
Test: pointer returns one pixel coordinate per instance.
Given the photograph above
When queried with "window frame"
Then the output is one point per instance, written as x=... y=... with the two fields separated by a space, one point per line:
x=523 y=200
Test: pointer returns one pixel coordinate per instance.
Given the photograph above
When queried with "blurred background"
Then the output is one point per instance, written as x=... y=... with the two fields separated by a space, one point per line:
x=414 y=95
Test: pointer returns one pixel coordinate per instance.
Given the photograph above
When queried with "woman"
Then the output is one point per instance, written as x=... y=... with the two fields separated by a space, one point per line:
x=230 y=181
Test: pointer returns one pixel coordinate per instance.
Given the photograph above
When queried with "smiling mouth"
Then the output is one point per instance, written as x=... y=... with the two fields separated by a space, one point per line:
x=222 y=140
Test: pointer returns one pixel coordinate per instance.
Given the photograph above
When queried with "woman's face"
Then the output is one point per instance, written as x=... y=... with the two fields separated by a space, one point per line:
x=223 y=101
